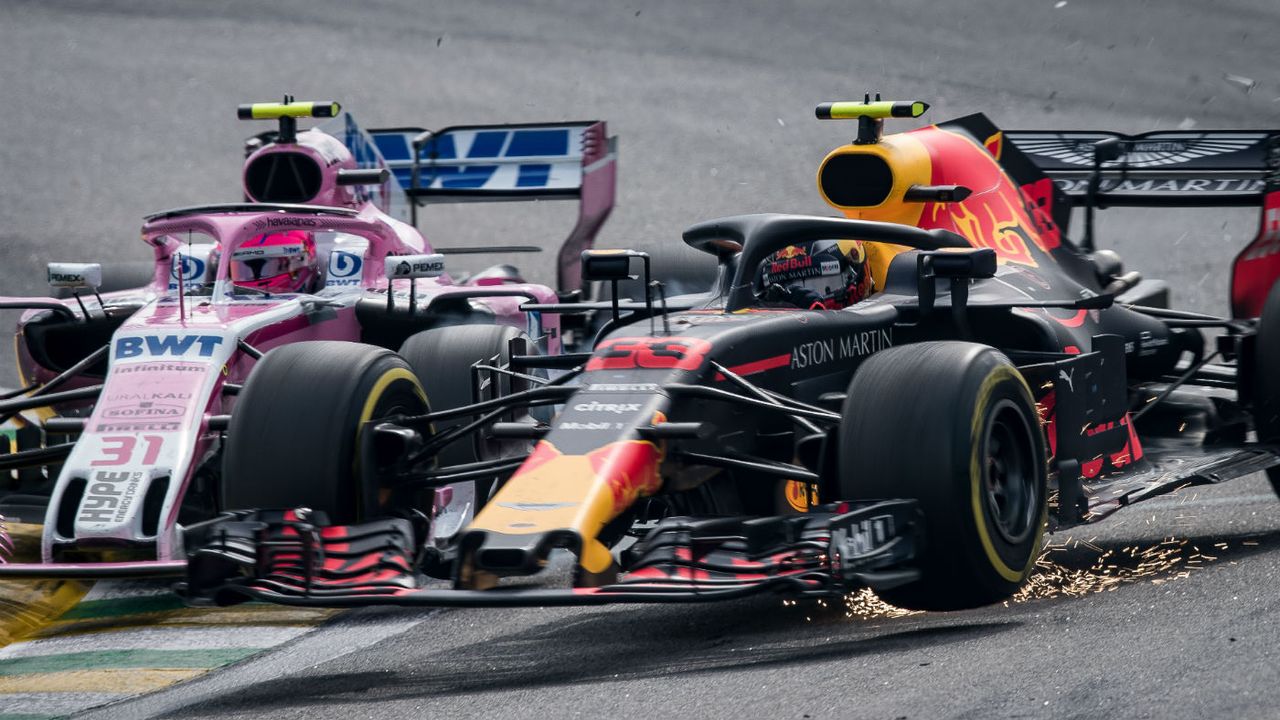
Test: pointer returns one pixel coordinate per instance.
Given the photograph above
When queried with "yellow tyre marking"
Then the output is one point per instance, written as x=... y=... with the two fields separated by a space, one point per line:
x=975 y=476
x=380 y=387
x=371 y=401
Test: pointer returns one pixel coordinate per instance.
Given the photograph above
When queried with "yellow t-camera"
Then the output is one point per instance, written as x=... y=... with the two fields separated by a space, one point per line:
x=275 y=111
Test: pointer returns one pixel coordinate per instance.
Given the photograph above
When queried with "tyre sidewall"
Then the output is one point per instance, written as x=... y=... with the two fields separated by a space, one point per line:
x=1000 y=566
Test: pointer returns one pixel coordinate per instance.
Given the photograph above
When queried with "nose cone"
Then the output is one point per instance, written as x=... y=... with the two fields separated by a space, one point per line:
x=558 y=500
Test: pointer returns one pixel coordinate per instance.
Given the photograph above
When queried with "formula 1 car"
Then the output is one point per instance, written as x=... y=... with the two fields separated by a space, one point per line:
x=1001 y=380
x=133 y=400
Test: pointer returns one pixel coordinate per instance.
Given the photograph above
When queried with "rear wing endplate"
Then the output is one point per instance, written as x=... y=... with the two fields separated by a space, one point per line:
x=505 y=163
x=1213 y=168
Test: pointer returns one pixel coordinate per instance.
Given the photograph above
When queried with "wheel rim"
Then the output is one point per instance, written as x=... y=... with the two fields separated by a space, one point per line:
x=1009 y=475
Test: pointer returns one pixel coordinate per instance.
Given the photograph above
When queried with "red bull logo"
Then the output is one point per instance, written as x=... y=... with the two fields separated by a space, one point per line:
x=790 y=251
x=630 y=468
x=997 y=215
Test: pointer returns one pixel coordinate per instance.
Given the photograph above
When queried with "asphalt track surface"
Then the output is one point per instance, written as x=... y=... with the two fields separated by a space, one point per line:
x=115 y=109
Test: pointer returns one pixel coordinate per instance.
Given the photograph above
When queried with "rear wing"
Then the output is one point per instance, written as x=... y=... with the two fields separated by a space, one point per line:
x=1214 y=168
x=504 y=163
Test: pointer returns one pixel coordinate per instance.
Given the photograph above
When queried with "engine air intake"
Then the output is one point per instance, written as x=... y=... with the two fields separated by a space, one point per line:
x=283 y=177
x=856 y=180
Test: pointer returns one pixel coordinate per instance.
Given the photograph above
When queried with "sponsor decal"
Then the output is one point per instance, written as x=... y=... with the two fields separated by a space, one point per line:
x=1148 y=344
x=856 y=345
x=414 y=266
x=615 y=408
x=589 y=426
x=145 y=409
x=861 y=538
x=74 y=275
x=798 y=495
x=136 y=396
x=622 y=387
x=157 y=367
x=109 y=496
x=681 y=353
x=273 y=251
x=537 y=506
x=189 y=268
x=149 y=426
x=999 y=217
x=289 y=222
x=1138 y=153
x=1073 y=186
x=344 y=269
x=161 y=345
x=790 y=264
x=706 y=319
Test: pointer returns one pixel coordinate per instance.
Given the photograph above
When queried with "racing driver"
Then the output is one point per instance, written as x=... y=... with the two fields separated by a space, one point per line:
x=816 y=275
x=283 y=262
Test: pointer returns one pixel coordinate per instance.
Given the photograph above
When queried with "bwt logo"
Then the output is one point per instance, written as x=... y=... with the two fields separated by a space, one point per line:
x=166 y=345
x=189 y=267
x=344 y=264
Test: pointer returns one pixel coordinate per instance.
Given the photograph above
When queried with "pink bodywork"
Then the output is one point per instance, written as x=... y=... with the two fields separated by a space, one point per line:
x=170 y=360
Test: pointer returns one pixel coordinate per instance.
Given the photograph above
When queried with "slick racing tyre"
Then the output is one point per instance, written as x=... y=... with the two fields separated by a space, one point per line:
x=1266 y=383
x=953 y=426
x=293 y=440
x=442 y=360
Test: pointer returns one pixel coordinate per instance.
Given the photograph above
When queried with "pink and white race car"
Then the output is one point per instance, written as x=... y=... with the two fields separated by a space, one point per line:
x=136 y=403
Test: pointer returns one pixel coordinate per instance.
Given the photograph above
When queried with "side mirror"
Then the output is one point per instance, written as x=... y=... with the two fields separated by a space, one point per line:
x=977 y=263
x=77 y=276
x=610 y=265
x=366 y=176
x=404 y=267
x=613 y=266
x=958 y=266
x=1108 y=149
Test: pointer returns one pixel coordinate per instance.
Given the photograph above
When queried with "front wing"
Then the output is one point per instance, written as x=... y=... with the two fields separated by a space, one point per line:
x=678 y=560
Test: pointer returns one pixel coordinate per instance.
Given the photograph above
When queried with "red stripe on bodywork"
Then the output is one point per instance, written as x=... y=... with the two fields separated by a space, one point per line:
x=759 y=366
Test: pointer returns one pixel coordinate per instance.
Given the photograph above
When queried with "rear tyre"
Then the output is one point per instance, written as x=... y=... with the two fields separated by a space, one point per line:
x=682 y=272
x=1266 y=383
x=295 y=428
x=442 y=359
x=953 y=426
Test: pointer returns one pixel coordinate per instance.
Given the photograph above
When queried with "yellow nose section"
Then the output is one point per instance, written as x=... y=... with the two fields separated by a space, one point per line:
x=557 y=492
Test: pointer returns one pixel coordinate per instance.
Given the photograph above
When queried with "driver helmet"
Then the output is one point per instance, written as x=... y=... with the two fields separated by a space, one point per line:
x=279 y=262
x=816 y=275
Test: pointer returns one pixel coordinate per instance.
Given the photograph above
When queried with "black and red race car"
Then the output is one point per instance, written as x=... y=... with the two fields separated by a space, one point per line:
x=1001 y=381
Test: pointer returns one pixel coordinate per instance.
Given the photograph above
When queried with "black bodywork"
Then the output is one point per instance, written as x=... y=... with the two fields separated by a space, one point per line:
x=734 y=403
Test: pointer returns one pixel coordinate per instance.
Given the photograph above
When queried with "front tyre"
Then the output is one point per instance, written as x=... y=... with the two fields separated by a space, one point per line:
x=442 y=359
x=953 y=426
x=294 y=437
x=1266 y=383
